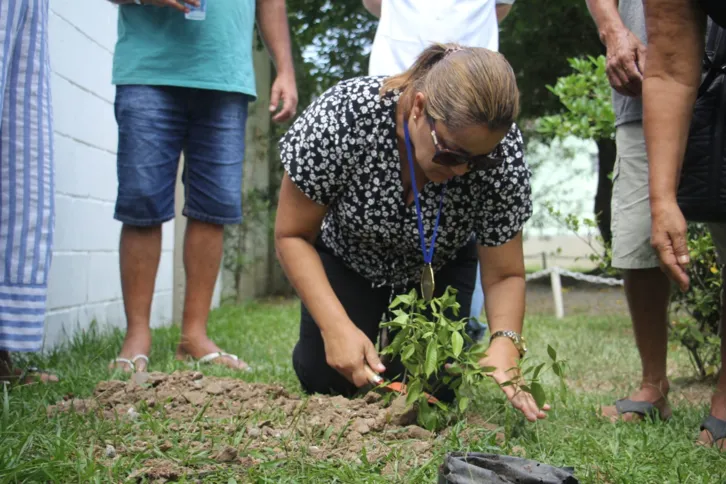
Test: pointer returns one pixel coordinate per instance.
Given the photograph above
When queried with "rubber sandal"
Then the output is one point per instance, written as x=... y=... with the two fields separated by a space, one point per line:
x=644 y=409
x=24 y=373
x=219 y=354
x=34 y=370
x=131 y=362
x=716 y=427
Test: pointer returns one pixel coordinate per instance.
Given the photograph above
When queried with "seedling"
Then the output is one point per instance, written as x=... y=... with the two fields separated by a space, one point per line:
x=436 y=351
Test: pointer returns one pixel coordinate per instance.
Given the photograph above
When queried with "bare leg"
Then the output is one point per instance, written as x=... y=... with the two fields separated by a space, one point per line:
x=718 y=400
x=647 y=291
x=140 y=252
x=203 y=244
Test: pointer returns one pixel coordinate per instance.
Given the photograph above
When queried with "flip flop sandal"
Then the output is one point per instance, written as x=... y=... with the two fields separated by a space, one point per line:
x=20 y=378
x=219 y=354
x=716 y=427
x=644 y=409
x=34 y=370
x=131 y=362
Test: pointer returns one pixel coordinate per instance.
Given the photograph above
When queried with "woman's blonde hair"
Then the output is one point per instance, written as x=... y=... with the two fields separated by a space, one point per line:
x=464 y=86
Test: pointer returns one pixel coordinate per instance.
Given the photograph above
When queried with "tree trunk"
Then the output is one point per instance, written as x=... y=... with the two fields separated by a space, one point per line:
x=606 y=163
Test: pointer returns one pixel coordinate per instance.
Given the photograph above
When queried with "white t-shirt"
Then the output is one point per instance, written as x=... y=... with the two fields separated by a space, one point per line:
x=407 y=27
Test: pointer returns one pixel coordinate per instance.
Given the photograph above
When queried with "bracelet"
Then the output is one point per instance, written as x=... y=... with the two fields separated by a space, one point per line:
x=517 y=339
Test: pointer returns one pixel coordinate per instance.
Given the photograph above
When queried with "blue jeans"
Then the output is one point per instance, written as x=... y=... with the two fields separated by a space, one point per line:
x=477 y=328
x=157 y=123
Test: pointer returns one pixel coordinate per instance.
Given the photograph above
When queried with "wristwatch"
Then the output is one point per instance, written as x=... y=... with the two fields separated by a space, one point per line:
x=516 y=338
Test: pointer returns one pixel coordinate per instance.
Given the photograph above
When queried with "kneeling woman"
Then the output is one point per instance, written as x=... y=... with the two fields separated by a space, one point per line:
x=386 y=178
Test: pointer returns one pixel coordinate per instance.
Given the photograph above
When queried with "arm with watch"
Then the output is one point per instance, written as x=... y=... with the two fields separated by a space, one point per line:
x=503 y=280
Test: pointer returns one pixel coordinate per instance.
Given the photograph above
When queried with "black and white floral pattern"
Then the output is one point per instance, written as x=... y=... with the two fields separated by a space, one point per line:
x=342 y=152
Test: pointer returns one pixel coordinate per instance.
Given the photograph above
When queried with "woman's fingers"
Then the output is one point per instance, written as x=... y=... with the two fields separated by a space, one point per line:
x=525 y=403
x=520 y=399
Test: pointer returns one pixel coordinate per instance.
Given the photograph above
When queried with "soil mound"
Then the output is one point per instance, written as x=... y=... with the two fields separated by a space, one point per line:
x=249 y=423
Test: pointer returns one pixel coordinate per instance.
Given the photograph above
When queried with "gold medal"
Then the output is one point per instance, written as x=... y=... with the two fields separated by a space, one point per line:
x=427 y=275
x=427 y=283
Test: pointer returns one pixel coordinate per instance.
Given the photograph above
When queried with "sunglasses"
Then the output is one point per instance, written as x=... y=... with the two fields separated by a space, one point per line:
x=446 y=157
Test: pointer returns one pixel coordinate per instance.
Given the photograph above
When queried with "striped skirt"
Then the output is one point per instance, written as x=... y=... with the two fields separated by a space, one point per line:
x=26 y=173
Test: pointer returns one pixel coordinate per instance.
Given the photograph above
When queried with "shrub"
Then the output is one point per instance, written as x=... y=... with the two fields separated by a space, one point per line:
x=696 y=314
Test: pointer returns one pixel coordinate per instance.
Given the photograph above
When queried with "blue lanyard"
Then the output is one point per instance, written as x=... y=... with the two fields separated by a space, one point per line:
x=428 y=254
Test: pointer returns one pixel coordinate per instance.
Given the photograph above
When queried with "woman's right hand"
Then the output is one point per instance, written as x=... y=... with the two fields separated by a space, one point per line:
x=348 y=350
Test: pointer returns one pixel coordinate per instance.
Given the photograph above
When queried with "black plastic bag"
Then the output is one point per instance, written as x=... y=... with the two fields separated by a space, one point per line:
x=478 y=468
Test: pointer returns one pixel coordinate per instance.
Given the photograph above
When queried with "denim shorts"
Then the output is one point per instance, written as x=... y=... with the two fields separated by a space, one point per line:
x=155 y=125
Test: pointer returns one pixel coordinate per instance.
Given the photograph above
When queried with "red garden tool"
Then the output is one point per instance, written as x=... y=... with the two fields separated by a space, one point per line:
x=394 y=387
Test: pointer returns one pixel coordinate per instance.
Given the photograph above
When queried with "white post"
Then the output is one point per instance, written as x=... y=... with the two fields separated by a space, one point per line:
x=557 y=292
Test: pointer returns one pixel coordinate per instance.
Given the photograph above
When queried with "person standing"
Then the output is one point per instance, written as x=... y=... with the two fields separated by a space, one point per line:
x=27 y=214
x=184 y=85
x=621 y=26
x=677 y=31
x=406 y=27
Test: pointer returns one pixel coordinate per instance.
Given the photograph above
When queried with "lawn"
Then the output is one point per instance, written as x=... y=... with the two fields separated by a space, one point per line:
x=602 y=365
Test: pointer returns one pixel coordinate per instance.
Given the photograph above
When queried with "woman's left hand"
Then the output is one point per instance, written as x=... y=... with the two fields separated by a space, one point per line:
x=503 y=355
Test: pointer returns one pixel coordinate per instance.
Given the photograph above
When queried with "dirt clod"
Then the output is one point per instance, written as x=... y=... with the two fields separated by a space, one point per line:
x=415 y=432
x=214 y=388
x=361 y=427
x=399 y=414
x=372 y=397
x=194 y=397
x=156 y=378
x=228 y=454
x=110 y=451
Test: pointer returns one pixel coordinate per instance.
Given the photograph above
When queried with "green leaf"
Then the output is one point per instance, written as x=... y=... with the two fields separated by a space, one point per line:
x=479 y=350
x=396 y=302
x=454 y=369
x=539 y=394
x=408 y=353
x=551 y=351
x=457 y=344
x=414 y=390
x=463 y=404
x=443 y=335
x=427 y=416
x=557 y=369
x=538 y=370
x=431 y=359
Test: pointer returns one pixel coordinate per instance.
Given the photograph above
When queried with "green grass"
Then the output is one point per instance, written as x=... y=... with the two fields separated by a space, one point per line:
x=602 y=366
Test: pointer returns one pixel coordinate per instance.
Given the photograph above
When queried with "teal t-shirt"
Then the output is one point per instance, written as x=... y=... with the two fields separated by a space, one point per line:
x=159 y=46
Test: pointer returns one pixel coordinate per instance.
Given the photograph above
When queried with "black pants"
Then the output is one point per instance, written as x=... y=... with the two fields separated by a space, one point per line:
x=716 y=10
x=366 y=307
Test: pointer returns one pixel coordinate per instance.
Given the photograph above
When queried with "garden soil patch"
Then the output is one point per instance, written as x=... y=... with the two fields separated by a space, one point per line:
x=236 y=423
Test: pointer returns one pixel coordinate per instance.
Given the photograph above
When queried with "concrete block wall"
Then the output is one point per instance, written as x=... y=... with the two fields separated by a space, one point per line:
x=84 y=280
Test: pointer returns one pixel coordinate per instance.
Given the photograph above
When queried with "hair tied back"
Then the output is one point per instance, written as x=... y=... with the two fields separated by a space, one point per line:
x=451 y=50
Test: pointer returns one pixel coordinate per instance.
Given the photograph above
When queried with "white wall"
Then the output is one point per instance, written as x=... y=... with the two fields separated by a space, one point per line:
x=84 y=281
